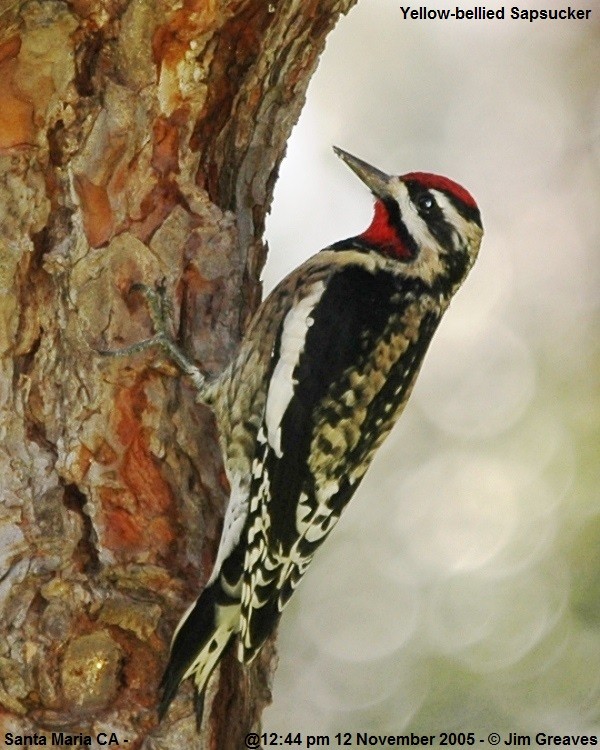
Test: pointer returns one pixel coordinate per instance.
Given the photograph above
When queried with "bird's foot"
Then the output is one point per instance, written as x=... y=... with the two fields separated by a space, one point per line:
x=160 y=310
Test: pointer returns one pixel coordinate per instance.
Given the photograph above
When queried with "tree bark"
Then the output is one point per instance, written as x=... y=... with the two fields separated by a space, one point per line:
x=139 y=142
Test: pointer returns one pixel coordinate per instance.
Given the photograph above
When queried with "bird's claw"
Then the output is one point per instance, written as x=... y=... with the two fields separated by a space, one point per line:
x=160 y=310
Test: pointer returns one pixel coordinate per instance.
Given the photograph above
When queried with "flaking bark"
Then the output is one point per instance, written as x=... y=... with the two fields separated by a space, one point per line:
x=139 y=142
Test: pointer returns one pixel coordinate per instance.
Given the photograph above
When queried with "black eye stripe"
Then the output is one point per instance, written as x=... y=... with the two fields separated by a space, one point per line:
x=425 y=203
x=428 y=209
x=467 y=211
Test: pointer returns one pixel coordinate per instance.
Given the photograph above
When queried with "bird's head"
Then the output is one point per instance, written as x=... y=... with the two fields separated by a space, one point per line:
x=428 y=223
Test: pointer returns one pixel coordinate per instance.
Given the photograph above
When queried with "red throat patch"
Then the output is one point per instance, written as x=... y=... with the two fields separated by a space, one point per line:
x=383 y=235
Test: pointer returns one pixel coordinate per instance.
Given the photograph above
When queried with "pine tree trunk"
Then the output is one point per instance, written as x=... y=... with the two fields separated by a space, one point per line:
x=139 y=142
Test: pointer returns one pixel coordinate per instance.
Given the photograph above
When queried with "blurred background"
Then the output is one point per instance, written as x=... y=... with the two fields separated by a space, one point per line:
x=461 y=589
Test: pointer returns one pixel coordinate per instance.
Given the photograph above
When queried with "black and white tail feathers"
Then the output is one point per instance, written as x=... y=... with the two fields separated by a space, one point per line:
x=199 y=642
x=210 y=624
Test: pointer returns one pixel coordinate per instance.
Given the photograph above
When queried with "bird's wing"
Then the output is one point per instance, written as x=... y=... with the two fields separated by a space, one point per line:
x=333 y=373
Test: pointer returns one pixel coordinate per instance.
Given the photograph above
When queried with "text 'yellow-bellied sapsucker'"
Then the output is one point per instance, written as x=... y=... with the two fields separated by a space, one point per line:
x=323 y=373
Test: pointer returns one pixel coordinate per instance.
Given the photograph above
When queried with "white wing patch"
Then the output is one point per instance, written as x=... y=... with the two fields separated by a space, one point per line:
x=281 y=388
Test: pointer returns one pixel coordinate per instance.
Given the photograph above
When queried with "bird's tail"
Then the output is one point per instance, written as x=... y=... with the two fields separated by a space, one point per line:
x=199 y=641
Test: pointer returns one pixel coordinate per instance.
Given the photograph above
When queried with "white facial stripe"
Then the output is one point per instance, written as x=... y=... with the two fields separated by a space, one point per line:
x=281 y=388
x=452 y=216
x=416 y=226
x=427 y=265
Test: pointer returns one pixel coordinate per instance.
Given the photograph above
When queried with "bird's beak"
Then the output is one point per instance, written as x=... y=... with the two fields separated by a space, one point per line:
x=377 y=181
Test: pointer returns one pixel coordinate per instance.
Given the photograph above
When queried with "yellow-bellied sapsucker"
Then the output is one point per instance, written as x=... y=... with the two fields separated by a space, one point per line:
x=323 y=373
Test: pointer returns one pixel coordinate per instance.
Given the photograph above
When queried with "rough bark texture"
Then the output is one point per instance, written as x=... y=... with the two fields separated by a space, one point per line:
x=139 y=141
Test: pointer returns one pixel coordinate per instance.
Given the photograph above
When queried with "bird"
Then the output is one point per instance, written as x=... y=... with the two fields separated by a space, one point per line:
x=323 y=372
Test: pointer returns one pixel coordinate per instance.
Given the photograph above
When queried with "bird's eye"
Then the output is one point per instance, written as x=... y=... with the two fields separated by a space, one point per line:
x=425 y=202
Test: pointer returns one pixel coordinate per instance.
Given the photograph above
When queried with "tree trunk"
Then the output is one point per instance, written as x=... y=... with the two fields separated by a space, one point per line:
x=139 y=142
